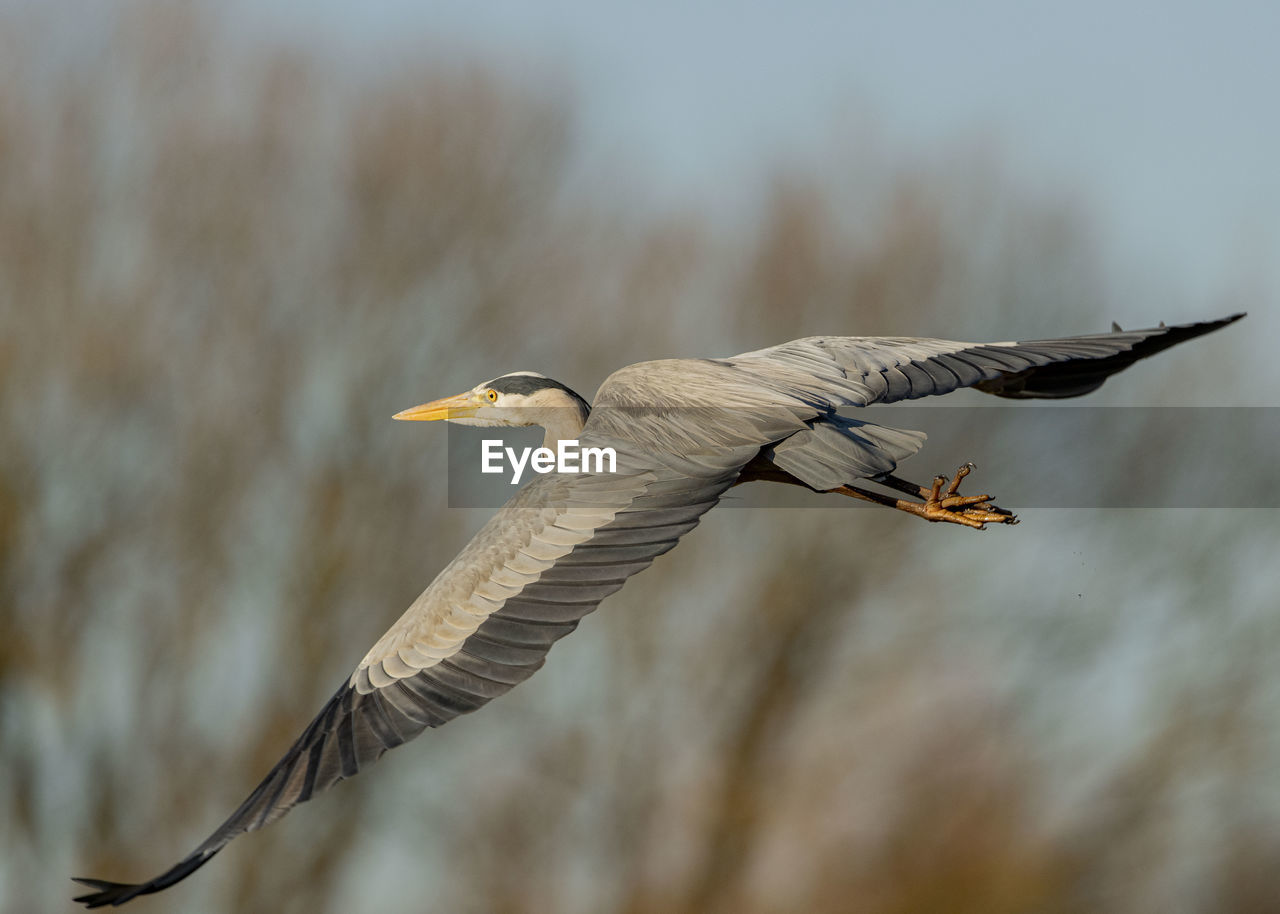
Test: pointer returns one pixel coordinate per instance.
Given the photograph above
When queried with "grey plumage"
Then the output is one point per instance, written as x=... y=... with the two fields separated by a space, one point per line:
x=684 y=432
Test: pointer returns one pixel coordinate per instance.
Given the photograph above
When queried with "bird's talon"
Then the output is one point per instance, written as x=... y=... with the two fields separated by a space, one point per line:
x=974 y=511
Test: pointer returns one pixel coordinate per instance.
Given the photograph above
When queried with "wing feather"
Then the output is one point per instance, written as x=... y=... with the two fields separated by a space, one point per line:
x=887 y=369
x=483 y=626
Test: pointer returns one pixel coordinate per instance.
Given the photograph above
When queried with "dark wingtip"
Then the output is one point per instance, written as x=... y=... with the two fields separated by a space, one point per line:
x=1206 y=326
x=117 y=893
x=1197 y=328
x=108 y=893
x=1223 y=321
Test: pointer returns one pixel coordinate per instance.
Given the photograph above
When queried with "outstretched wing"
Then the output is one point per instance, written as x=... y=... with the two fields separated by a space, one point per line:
x=859 y=371
x=786 y=397
x=544 y=561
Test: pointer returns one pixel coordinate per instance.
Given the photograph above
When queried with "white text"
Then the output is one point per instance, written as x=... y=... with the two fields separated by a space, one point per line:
x=566 y=458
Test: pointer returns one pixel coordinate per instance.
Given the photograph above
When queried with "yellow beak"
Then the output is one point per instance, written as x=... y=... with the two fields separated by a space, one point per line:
x=459 y=407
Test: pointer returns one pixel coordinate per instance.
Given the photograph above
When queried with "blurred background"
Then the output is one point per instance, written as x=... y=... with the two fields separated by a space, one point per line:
x=235 y=239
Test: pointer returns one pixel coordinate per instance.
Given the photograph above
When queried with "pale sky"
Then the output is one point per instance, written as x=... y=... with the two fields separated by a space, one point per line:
x=1161 y=116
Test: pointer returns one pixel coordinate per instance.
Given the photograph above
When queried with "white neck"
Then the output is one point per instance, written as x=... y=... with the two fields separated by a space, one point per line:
x=562 y=424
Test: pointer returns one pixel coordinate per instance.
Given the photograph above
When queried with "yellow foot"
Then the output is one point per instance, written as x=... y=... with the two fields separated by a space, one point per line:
x=950 y=507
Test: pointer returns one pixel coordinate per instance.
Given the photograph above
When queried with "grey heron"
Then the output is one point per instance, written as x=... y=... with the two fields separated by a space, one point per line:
x=685 y=431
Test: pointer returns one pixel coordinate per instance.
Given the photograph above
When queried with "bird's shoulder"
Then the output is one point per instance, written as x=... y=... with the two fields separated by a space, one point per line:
x=669 y=383
x=781 y=374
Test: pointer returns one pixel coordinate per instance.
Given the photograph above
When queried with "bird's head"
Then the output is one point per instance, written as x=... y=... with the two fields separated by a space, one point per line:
x=519 y=399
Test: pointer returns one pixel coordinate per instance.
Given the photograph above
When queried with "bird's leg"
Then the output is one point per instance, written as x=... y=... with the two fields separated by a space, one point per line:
x=912 y=488
x=902 y=485
x=938 y=504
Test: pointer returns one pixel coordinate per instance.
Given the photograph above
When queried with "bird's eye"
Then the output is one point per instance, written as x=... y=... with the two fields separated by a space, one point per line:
x=492 y=395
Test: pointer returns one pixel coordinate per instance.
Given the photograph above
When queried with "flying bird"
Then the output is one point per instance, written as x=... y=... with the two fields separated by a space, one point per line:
x=684 y=431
